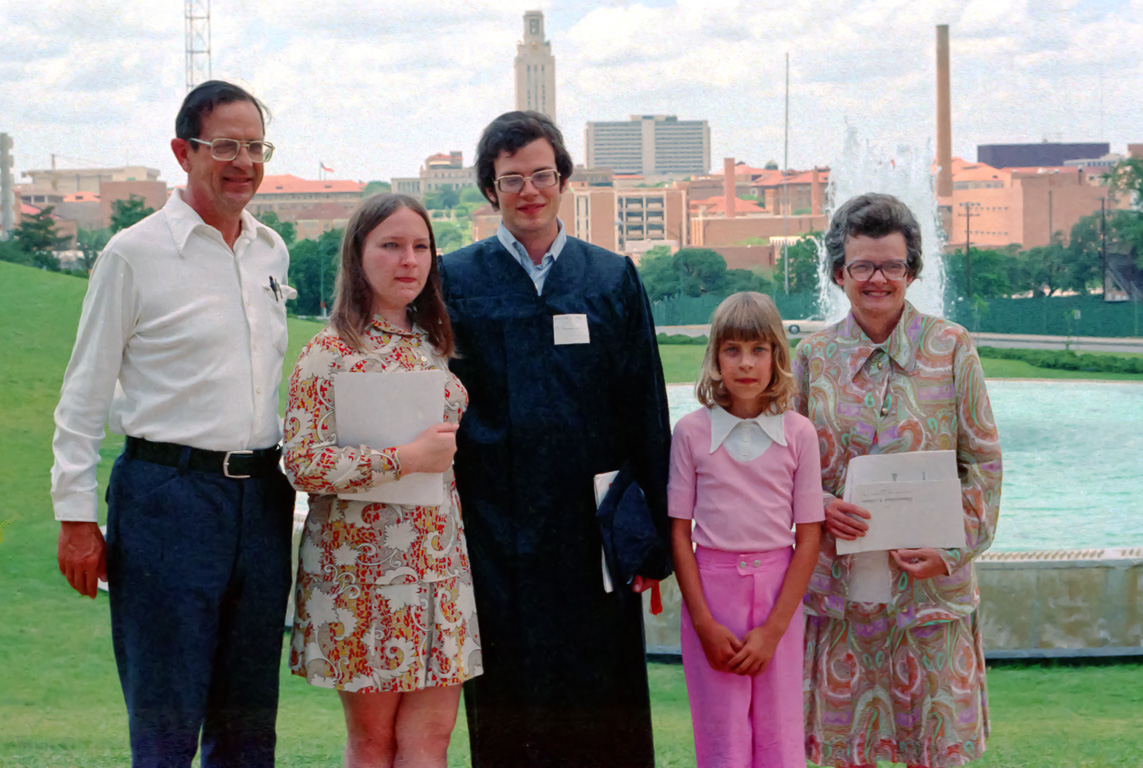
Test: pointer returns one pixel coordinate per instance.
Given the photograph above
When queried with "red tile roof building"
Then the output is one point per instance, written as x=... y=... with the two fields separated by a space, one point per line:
x=289 y=196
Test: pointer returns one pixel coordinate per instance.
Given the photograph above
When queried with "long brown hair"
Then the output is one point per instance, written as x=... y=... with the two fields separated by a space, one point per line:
x=353 y=298
x=747 y=316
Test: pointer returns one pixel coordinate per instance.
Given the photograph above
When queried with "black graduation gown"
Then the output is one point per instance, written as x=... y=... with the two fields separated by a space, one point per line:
x=565 y=677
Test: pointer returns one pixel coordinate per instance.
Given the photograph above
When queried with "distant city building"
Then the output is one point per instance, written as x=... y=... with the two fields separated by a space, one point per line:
x=1095 y=169
x=535 y=68
x=440 y=171
x=313 y=222
x=1093 y=166
x=67 y=181
x=786 y=204
x=87 y=195
x=9 y=213
x=83 y=208
x=295 y=199
x=776 y=192
x=649 y=145
x=593 y=177
x=1018 y=205
x=153 y=192
x=1044 y=153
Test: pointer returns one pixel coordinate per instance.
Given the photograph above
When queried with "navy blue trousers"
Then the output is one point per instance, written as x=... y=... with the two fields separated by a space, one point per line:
x=198 y=567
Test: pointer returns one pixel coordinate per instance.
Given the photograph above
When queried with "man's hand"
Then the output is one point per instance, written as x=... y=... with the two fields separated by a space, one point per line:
x=920 y=563
x=82 y=555
x=757 y=649
x=719 y=644
x=639 y=584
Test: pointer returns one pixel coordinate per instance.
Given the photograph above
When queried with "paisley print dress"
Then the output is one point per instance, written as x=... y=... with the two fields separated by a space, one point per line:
x=902 y=681
x=384 y=591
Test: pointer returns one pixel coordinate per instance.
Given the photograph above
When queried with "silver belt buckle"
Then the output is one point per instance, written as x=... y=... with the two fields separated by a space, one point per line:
x=226 y=464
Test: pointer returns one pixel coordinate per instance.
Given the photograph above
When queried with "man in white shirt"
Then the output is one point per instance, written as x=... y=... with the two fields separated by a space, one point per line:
x=180 y=346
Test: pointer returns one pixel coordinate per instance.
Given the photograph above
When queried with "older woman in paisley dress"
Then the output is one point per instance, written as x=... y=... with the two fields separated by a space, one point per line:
x=385 y=610
x=902 y=680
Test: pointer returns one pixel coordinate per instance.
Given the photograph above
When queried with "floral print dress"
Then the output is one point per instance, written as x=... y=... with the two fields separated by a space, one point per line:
x=384 y=591
x=901 y=681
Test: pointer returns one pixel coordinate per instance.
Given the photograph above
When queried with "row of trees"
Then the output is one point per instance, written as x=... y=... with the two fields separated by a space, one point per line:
x=701 y=271
x=1076 y=265
x=694 y=272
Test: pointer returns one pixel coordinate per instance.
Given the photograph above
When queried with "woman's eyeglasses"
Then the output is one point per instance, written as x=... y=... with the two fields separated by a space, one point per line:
x=863 y=270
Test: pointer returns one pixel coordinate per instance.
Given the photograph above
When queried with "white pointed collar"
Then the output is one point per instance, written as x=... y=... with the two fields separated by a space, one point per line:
x=722 y=422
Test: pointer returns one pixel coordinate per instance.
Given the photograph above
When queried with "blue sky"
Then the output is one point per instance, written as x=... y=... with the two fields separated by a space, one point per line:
x=372 y=88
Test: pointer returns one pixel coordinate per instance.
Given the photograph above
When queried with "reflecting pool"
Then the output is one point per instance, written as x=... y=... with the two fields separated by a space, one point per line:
x=1073 y=461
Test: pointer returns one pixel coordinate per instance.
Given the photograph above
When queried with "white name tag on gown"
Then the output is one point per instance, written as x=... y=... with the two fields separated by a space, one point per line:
x=570 y=329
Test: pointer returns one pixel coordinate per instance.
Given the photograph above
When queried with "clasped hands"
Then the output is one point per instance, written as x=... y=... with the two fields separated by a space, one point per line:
x=847 y=521
x=727 y=653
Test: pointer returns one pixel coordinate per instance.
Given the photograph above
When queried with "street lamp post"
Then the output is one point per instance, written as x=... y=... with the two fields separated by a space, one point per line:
x=968 y=214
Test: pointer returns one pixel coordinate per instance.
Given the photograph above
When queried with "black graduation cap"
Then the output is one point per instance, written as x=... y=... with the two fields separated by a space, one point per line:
x=629 y=535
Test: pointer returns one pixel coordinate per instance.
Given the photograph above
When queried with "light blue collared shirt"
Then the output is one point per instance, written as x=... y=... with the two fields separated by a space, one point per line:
x=538 y=272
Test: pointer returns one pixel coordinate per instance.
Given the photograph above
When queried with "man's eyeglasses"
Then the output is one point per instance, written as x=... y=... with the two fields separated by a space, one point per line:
x=225 y=150
x=512 y=183
x=863 y=270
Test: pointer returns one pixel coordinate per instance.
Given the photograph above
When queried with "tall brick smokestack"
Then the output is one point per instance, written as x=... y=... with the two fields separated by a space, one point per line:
x=944 y=115
x=728 y=186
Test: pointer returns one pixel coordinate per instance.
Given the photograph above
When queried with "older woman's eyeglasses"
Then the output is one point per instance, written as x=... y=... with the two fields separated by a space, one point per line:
x=863 y=270
x=512 y=183
x=225 y=150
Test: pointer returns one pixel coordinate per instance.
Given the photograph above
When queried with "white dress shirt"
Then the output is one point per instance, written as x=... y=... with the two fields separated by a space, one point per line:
x=746 y=439
x=181 y=340
x=537 y=272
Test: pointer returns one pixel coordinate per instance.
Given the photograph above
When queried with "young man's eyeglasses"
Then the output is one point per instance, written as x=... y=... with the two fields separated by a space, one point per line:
x=863 y=270
x=512 y=183
x=225 y=150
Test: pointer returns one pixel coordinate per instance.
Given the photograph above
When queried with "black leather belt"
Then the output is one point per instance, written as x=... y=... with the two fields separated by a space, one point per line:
x=237 y=465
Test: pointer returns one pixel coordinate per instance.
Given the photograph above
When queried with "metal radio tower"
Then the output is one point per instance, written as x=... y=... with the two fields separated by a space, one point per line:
x=198 y=42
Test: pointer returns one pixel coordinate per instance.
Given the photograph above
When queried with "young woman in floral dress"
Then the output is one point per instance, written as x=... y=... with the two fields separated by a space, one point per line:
x=385 y=611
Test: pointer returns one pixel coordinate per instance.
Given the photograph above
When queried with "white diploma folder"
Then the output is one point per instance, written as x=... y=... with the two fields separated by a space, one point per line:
x=602 y=483
x=381 y=410
x=914 y=500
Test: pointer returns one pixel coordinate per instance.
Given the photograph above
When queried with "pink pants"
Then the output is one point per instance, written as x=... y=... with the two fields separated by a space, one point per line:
x=745 y=722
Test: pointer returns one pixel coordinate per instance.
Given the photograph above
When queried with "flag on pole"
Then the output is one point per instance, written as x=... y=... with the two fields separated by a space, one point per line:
x=325 y=167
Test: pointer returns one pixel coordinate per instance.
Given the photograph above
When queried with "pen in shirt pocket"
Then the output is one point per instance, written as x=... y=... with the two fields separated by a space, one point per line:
x=282 y=292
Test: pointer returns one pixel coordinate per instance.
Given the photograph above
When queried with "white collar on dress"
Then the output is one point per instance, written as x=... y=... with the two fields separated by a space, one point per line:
x=722 y=422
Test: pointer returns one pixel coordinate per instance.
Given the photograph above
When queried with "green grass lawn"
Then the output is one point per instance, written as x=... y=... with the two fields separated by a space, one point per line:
x=60 y=704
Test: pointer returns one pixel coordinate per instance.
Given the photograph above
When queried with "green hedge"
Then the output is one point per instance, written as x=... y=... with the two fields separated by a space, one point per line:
x=1067 y=360
x=679 y=338
x=700 y=341
x=1040 y=358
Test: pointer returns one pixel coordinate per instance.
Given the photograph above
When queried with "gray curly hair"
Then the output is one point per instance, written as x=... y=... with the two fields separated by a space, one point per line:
x=873 y=215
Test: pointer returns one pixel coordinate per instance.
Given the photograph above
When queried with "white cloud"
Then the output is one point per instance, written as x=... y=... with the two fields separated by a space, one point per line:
x=371 y=88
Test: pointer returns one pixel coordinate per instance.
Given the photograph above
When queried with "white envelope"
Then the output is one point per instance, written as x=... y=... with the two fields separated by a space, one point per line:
x=381 y=410
x=914 y=500
x=869 y=575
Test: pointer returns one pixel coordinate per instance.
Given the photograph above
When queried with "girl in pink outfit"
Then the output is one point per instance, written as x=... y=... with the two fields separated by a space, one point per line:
x=745 y=470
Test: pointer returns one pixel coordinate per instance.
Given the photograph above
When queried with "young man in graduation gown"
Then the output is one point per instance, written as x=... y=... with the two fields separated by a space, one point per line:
x=558 y=353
